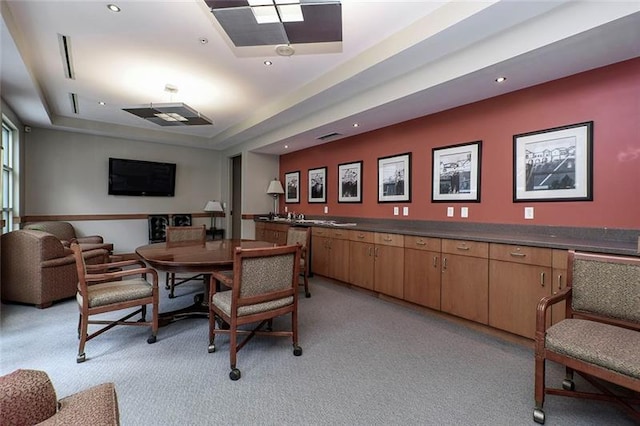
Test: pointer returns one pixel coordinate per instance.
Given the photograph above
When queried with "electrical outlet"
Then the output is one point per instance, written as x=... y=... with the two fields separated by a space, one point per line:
x=396 y=211
x=528 y=212
x=464 y=211
x=326 y=209
x=450 y=211
x=405 y=211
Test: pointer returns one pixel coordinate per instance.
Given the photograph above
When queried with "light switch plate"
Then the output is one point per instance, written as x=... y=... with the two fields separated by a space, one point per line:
x=326 y=209
x=464 y=211
x=450 y=211
x=405 y=211
x=528 y=212
x=396 y=211
x=286 y=209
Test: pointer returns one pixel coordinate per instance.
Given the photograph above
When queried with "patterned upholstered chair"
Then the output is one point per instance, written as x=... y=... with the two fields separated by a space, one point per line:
x=264 y=286
x=37 y=269
x=111 y=287
x=27 y=397
x=66 y=233
x=185 y=236
x=302 y=236
x=600 y=336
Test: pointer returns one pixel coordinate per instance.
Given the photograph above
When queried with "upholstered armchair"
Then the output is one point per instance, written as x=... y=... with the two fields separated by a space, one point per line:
x=67 y=234
x=37 y=269
x=27 y=397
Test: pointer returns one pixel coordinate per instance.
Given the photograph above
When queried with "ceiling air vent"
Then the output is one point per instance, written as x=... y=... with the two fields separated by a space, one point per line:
x=329 y=136
x=65 y=51
x=74 y=103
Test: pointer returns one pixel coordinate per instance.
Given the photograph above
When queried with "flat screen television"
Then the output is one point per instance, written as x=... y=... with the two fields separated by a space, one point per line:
x=141 y=178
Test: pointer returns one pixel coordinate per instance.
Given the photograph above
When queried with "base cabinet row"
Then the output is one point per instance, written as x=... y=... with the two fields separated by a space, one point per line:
x=498 y=285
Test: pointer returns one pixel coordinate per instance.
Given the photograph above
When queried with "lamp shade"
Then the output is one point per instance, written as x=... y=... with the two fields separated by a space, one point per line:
x=213 y=206
x=275 y=187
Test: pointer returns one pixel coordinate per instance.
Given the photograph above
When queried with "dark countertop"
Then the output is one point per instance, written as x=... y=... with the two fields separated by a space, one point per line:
x=598 y=240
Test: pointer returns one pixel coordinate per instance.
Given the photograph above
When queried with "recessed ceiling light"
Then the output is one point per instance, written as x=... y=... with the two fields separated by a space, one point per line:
x=501 y=79
x=356 y=125
x=204 y=40
x=113 y=8
x=268 y=63
x=286 y=147
x=102 y=103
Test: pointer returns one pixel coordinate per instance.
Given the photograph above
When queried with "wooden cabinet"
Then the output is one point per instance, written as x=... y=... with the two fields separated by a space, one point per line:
x=330 y=253
x=519 y=277
x=361 y=259
x=559 y=282
x=422 y=271
x=465 y=279
x=388 y=264
x=272 y=232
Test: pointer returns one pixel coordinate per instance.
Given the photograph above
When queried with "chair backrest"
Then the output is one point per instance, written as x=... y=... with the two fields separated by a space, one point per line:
x=81 y=269
x=186 y=235
x=63 y=230
x=299 y=235
x=158 y=227
x=605 y=285
x=265 y=274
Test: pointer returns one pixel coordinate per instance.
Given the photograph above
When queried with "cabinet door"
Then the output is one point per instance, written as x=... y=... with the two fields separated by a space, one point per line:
x=339 y=259
x=422 y=277
x=465 y=287
x=361 y=264
x=515 y=290
x=389 y=270
x=261 y=230
x=320 y=255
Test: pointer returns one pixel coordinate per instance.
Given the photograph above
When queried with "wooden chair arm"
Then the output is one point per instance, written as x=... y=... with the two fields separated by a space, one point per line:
x=543 y=306
x=110 y=276
x=119 y=264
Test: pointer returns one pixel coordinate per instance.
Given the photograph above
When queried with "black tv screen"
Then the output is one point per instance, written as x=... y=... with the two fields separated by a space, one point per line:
x=141 y=178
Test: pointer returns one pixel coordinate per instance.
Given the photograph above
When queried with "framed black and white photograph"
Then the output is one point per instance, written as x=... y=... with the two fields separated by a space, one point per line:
x=456 y=173
x=292 y=187
x=554 y=164
x=318 y=185
x=394 y=178
x=350 y=182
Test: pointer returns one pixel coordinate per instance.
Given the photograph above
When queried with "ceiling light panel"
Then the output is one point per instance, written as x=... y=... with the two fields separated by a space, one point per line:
x=290 y=13
x=265 y=14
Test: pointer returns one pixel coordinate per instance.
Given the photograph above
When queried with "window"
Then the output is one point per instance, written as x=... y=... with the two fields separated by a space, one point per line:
x=8 y=144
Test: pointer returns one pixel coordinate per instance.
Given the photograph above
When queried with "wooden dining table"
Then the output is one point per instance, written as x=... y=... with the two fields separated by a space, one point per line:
x=195 y=258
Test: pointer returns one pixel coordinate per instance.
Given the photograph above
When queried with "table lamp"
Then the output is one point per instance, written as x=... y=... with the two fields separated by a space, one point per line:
x=275 y=189
x=213 y=207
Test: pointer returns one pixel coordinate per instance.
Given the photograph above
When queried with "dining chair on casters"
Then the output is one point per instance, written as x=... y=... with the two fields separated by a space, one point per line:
x=264 y=286
x=302 y=236
x=110 y=287
x=183 y=235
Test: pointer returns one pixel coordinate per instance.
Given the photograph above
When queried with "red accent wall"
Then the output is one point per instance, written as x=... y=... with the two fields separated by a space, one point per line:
x=608 y=96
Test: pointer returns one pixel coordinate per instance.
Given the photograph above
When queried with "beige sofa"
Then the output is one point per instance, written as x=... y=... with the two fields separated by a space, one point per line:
x=37 y=269
x=27 y=397
x=67 y=234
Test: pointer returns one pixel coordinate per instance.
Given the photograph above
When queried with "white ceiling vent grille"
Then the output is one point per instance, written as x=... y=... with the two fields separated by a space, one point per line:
x=329 y=136
x=65 y=52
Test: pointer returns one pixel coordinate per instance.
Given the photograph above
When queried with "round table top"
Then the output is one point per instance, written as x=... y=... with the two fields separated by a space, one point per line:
x=185 y=257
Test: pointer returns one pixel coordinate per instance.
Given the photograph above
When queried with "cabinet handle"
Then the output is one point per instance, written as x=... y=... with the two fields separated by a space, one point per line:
x=462 y=248
x=376 y=252
x=517 y=254
x=444 y=263
x=361 y=236
x=421 y=243
x=339 y=234
x=369 y=251
x=559 y=281
x=388 y=239
x=542 y=279
x=435 y=261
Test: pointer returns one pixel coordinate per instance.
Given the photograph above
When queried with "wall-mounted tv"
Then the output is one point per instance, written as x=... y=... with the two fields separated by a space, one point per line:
x=141 y=178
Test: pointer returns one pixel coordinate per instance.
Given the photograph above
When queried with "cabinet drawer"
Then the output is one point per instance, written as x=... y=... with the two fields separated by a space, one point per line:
x=322 y=232
x=465 y=248
x=339 y=234
x=422 y=243
x=395 y=240
x=521 y=254
x=362 y=236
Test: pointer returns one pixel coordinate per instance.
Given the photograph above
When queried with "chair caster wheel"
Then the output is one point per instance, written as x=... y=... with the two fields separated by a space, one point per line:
x=81 y=358
x=307 y=295
x=212 y=348
x=151 y=339
x=568 y=385
x=297 y=350
x=234 y=374
x=198 y=299
x=167 y=287
x=538 y=416
x=172 y=296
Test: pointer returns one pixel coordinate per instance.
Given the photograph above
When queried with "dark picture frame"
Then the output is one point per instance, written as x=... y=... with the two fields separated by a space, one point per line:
x=554 y=164
x=394 y=178
x=350 y=182
x=317 y=185
x=456 y=173
x=292 y=187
